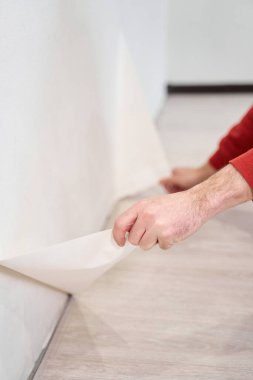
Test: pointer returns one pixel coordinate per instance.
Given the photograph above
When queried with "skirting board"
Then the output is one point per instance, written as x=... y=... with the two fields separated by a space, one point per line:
x=43 y=352
x=209 y=88
x=29 y=312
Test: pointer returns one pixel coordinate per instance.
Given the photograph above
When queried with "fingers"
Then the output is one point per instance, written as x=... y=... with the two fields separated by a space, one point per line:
x=164 y=243
x=136 y=232
x=176 y=171
x=148 y=240
x=123 y=224
x=169 y=185
x=166 y=183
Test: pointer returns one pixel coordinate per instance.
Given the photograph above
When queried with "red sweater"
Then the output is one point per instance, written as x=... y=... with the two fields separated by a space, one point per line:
x=236 y=148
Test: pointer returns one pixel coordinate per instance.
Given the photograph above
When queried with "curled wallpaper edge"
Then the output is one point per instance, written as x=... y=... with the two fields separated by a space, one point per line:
x=73 y=265
x=139 y=157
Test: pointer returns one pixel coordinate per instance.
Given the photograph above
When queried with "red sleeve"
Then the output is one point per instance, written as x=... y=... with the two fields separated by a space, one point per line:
x=238 y=141
x=244 y=165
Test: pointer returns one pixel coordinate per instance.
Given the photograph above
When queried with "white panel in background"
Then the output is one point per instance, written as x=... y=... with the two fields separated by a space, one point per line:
x=139 y=157
x=210 y=42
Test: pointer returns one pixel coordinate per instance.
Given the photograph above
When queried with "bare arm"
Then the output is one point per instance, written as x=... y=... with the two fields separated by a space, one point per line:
x=171 y=218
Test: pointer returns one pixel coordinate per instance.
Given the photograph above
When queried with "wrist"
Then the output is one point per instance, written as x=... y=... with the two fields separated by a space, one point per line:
x=225 y=189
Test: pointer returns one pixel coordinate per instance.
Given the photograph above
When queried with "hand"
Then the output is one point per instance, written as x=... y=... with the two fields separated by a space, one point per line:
x=186 y=178
x=169 y=219
x=165 y=220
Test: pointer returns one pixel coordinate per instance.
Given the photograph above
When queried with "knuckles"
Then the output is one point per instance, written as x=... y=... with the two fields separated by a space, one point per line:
x=164 y=236
x=165 y=239
x=141 y=204
x=148 y=215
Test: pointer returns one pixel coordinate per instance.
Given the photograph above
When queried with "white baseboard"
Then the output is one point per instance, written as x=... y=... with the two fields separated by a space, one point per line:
x=29 y=313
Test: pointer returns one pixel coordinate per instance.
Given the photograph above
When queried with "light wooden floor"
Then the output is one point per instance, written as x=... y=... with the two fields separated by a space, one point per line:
x=184 y=314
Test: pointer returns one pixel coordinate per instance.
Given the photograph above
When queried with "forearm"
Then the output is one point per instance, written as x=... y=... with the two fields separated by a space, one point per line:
x=225 y=189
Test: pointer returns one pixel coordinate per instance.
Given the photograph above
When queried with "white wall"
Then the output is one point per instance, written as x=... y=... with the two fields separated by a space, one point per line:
x=29 y=312
x=65 y=80
x=144 y=25
x=55 y=181
x=210 y=41
x=58 y=96
x=52 y=128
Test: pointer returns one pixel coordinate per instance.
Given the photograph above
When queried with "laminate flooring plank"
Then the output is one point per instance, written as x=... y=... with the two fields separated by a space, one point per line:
x=184 y=314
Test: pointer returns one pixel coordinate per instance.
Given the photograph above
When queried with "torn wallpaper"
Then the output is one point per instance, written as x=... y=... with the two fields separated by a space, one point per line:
x=71 y=266
x=75 y=137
